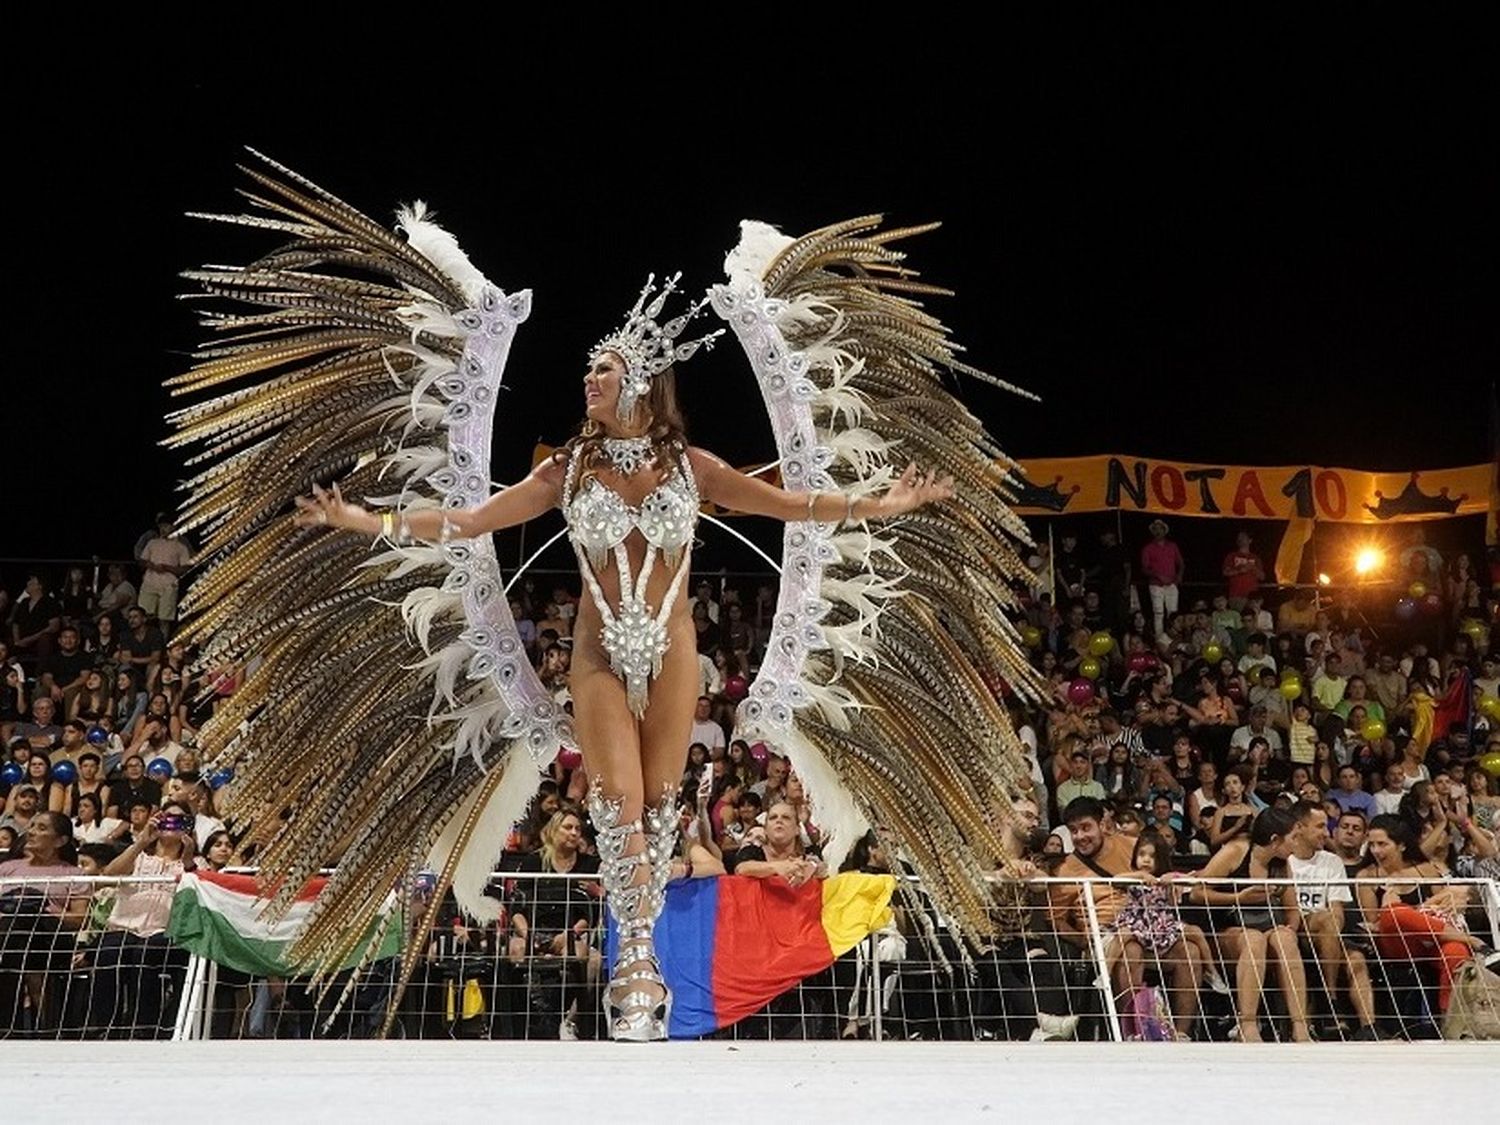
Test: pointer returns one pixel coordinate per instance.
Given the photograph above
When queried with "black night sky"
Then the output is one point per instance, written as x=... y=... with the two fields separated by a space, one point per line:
x=1205 y=243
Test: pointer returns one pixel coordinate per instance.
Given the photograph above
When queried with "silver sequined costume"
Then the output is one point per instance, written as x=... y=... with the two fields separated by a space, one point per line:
x=599 y=522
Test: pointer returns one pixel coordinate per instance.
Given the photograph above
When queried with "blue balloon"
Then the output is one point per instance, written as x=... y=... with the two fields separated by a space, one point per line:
x=11 y=774
x=97 y=736
x=1406 y=608
x=159 y=767
x=65 y=772
x=220 y=777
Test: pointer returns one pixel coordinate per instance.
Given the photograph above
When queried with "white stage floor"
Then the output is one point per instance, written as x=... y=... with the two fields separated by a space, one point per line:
x=356 y=1083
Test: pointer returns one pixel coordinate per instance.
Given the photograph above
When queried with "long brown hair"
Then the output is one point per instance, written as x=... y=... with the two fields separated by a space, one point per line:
x=667 y=431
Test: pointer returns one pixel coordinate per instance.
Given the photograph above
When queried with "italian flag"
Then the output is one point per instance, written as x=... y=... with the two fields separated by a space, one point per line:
x=222 y=918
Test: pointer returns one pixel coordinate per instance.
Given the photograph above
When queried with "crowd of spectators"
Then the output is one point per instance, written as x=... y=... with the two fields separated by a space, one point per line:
x=1180 y=734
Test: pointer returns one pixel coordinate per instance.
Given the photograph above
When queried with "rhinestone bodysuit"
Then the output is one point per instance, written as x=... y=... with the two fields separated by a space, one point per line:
x=599 y=521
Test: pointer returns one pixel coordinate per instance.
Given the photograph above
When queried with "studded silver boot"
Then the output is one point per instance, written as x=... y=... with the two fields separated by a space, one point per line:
x=635 y=902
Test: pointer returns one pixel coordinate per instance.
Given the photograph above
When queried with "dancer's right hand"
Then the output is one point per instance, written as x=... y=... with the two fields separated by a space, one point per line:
x=326 y=508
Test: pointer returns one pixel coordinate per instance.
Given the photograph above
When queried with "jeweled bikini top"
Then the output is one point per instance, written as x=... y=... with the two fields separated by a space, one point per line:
x=599 y=521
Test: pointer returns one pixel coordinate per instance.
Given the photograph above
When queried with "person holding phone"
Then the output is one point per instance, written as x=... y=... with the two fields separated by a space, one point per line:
x=134 y=949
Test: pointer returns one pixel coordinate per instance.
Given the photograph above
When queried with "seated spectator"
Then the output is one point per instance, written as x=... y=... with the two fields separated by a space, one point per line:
x=1414 y=921
x=61 y=672
x=133 y=785
x=1256 y=657
x=134 y=951
x=1317 y=900
x=1357 y=694
x=1328 y=685
x=746 y=811
x=116 y=597
x=42 y=730
x=34 y=623
x=37 y=920
x=1297 y=615
x=1350 y=793
x=1080 y=781
x=1258 y=726
x=782 y=854
x=1253 y=923
x=20 y=808
x=1349 y=844
x=1096 y=854
x=1234 y=813
x=141 y=645
x=91 y=826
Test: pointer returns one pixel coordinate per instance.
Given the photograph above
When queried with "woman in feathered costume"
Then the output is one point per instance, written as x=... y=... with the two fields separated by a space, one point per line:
x=630 y=487
x=887 y=646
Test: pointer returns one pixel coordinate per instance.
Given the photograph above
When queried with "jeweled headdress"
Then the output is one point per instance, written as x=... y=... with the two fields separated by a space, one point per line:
x=649 y=348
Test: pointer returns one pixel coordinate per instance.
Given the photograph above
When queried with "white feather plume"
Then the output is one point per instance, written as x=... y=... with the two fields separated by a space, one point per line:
x=759 y=244
x=440 y=248
x=506 y=805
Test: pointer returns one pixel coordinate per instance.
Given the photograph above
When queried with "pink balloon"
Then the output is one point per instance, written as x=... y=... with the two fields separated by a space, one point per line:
x=1139 y=662
x=736 y=687
x=1080 y=691
x=760 y=752
x=569 y=758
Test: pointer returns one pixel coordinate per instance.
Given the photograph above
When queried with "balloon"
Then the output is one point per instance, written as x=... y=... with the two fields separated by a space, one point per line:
x=1090 y=667
x=65 y=772
x=569 y=758
x=1080 y=691
x=1490 y=763
x=1213 y=652
x=760 y=752
x=1432 y=604
x=1031 y=636
x=1373 y=730
x=11 y=774
x=1291 y=687
x=736 y=688
x=1473 y=628
x=1489 y=705
x=1417 y=590
x=220 y=777
x=97 y=736
x=1139 y=662
x=1406 y=608
x=159 y=767
x=1101 y=643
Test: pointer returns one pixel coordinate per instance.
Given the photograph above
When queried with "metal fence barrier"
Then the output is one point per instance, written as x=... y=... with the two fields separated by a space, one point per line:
x=1103 y=959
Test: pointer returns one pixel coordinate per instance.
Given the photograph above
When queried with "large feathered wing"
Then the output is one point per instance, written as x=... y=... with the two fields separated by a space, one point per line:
x=388 y=717
x=888 y=640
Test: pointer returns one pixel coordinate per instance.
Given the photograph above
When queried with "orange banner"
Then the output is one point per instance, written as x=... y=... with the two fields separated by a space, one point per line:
x=1053 y=486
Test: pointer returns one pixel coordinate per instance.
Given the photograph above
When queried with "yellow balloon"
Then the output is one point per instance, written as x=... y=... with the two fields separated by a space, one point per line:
x=1101 y=643
x=1213 y=652
x=1490 y=706
x=1417 y=590
x=1031 y=636
x=1291 y=688
x=1373 y=730
x=1490 y=763
x=1090 y=667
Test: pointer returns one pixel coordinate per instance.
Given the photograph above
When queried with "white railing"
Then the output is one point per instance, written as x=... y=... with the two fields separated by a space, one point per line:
x=1062 y=964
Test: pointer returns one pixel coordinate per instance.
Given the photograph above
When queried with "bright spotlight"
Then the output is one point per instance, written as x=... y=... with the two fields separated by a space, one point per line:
x=1324 y=580
x=1367 y=561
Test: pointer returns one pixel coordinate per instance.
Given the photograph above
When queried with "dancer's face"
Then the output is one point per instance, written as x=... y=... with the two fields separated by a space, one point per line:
x=601 y=387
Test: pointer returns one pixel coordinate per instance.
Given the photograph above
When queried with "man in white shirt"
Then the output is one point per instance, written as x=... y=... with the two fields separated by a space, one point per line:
x=1259 y=726
x=704 y=592
x=1321 y=894
x=705 y=730
x=1388 y=800
x=165 y=559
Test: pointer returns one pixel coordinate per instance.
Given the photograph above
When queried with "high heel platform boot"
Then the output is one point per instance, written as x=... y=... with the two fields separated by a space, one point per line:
x=635 y=899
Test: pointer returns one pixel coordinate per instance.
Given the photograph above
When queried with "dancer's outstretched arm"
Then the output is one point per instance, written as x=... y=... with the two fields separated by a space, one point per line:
x=516 y=504
x=726 y=486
